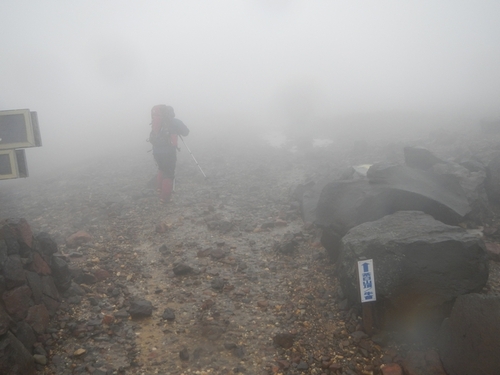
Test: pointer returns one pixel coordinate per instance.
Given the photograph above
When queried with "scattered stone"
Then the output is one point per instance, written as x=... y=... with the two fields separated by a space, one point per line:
x=181 y=269
x=140 y=308
x=77 y=239
x=217 y=283
x=285 y=340
x=79 y=352
x=40 y=359
x=184 y=355
x=101 y=274
x=168 y=314
x=163 y=249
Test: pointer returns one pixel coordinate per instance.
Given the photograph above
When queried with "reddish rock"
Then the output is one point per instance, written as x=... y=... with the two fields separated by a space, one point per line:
x=78 y=238
x=493 y=250
x=23 y=231
x=39 y=265
x=101 y=274
x=108 y=319
x=38 y=318
x=17 y=229
x=17 y=302
x=391 y=369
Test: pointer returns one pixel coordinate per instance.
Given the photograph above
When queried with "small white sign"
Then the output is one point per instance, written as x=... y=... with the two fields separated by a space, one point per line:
x=367 y=280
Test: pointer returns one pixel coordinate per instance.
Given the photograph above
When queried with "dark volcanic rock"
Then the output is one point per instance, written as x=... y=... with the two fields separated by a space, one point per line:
x=13 y=272
x=420 y=264
x=5 y=320
x=45 y=245
x=15 y=359
x=469 y=340
x=418 y=157
x=168 y=314
x=61 y=274
x=285 y=340
x=140 y=308
x=182 y=269
x=25 y=334
x=346 y=204
x=184 y=354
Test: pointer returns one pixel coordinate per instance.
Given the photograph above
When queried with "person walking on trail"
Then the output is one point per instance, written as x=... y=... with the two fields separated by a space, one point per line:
x=165 y=130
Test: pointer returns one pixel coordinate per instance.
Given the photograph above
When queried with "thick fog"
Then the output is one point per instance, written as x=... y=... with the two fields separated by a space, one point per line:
x=93 y=69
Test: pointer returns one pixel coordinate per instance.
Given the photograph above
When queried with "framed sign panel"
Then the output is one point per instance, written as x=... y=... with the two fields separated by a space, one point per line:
x=13 y=164
x=19 y=129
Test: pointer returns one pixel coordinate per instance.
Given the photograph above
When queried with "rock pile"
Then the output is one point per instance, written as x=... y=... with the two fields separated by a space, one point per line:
x=31 y=280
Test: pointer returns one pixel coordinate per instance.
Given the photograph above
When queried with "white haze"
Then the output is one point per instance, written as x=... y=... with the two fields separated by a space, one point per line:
x=93 y=69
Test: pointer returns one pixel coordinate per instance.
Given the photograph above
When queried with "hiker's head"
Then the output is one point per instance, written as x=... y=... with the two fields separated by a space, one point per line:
x=162 y=111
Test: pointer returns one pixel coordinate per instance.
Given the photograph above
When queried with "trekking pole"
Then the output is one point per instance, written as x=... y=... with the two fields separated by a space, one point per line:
x=203 y=173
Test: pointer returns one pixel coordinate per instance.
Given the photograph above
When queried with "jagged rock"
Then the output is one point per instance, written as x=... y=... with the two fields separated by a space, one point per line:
x=346 y=204
x=15 y=359
x=38 y=318
x=49 y=288
x=17 y=302
x=39 y=265
x=25 y=334
x=22 y=231
x=4 y=254
x=35 y=283
x=13 y=272
x=140 y=308
x=419 y=157
x=469 y=340
x=5 y=320
x=61 y=274
x=420 y=264
x=45 y=245
x=51 y=304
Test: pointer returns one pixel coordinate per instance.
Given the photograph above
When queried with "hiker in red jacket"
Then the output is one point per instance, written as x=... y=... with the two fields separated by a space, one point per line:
x=165 y=130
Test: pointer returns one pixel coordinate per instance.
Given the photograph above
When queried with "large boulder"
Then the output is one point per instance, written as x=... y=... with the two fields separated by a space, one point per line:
x=421 y=265
x=470 y=174
x=469 y=340
x=15 y=359
x=388 y=189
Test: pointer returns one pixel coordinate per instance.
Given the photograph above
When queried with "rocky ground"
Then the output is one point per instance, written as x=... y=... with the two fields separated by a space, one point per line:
x=238 y=283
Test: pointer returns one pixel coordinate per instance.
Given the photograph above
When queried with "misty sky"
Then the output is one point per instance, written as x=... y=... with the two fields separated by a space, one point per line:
x=93 y=69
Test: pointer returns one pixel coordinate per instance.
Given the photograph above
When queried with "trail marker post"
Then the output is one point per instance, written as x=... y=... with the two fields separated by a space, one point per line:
x=368 y=294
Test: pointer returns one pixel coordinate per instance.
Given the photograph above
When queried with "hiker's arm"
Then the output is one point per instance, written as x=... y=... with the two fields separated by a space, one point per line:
x=180 y=128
